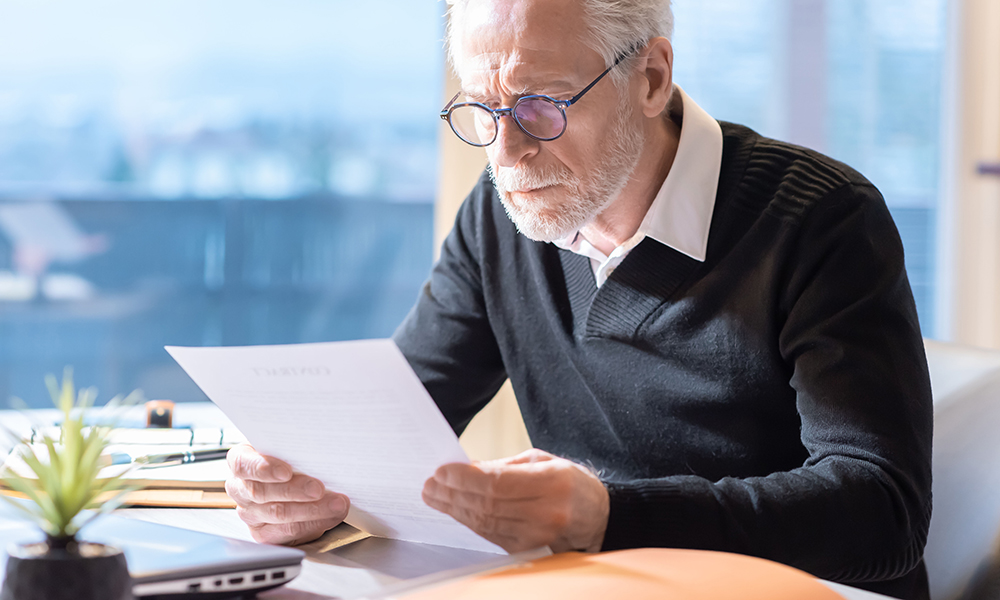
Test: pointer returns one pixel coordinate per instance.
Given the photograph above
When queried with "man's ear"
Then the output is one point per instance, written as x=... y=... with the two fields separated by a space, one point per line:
x=657 y=77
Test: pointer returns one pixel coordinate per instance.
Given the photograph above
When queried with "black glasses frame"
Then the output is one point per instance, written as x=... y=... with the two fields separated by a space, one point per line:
x=496 y=113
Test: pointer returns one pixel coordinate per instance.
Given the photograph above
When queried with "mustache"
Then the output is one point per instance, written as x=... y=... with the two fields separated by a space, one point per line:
x=511 y=179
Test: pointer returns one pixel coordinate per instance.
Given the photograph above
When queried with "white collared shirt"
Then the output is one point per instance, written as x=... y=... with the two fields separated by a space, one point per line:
x=681 y=213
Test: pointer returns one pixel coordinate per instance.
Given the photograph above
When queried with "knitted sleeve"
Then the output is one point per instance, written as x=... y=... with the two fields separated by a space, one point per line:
x=858 y=509
x=446 y=337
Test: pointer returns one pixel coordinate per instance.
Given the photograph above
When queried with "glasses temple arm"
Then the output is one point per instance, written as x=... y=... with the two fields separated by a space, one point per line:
x=444 y=111
x=618 y=61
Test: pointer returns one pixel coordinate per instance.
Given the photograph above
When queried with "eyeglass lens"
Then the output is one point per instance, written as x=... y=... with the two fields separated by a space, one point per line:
x=536 y=116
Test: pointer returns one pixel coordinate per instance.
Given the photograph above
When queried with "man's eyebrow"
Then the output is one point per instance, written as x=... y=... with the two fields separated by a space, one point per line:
x=474 y=91
x=552 y=85
x=558 y=86
x=542 y=86
x=474 y=95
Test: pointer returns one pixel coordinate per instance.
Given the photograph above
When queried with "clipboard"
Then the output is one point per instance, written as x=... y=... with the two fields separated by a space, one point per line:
x=194 y=485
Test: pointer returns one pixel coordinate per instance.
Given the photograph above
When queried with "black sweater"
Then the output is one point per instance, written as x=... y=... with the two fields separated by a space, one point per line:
x=772 y=401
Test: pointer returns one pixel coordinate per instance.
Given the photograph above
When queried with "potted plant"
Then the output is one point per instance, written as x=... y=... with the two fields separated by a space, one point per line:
x=66 y=490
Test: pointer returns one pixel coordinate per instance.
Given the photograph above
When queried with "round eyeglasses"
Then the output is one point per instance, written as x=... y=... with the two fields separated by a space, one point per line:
x=539 y=116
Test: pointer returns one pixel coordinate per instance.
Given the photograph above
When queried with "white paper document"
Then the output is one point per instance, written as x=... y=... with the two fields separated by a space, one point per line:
x=352 y=414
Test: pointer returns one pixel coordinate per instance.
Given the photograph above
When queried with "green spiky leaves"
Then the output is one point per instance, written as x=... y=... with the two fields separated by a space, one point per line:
x=67 y=477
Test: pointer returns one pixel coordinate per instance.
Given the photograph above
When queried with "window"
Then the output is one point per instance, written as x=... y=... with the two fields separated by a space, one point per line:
x=860 y=80
x=208 y=172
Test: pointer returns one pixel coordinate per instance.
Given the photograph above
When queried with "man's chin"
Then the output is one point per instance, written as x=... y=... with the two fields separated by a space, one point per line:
x=538 y=230
x=537 y=236
x=553 y=224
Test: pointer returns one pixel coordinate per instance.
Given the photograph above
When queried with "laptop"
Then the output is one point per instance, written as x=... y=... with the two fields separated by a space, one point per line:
x=168 y=563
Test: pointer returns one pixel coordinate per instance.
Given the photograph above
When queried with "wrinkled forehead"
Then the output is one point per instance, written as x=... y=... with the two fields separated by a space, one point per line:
x=521 y=43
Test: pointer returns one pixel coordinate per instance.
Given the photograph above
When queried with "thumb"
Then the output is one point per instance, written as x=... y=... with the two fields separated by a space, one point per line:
x=533 y=455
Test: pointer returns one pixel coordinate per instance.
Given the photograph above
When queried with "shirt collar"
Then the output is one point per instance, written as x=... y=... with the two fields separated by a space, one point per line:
x=681 y=212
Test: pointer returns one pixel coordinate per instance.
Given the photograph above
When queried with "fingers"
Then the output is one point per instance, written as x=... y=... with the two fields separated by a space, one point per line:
x=332 y=506
x=531 y=455
x=292 y=534
x=502 y=531
x=502 y=481
x=300 y=488
x=443 y=498
x=247 y=463
x=279 y=505
x=511 y=534
x=529 y=500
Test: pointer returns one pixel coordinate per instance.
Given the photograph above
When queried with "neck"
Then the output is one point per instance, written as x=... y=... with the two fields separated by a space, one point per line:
x=620 y=221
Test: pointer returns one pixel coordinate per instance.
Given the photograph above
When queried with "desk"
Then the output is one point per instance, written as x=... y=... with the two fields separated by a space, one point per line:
x=370 y=567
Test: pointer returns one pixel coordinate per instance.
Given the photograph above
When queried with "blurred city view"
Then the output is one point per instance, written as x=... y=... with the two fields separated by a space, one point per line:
x=208 y=172
x=213 y=172
x=860 y=80
x=187 y=99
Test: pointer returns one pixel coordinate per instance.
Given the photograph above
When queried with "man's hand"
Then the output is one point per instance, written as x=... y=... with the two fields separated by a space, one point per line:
x=523 y=502
x=280 y=506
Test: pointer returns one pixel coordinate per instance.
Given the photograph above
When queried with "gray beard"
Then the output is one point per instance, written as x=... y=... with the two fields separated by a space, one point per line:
x=586 y=196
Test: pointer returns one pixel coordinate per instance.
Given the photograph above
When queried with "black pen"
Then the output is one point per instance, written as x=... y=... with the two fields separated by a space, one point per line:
x=181 y=458
x=168 y=460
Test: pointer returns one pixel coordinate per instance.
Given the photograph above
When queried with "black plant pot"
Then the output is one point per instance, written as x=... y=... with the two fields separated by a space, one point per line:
x=60 y=569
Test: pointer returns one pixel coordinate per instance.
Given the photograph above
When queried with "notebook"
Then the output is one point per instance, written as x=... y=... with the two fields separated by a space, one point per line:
x=169 y=562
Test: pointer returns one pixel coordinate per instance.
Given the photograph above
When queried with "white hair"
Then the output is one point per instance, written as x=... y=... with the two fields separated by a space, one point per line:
x=614 y=27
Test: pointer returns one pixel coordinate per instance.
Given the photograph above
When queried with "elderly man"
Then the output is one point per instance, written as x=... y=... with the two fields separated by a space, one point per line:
x=710 y=334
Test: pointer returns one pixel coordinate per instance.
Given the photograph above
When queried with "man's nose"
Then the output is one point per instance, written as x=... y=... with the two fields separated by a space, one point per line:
x=512 y=144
